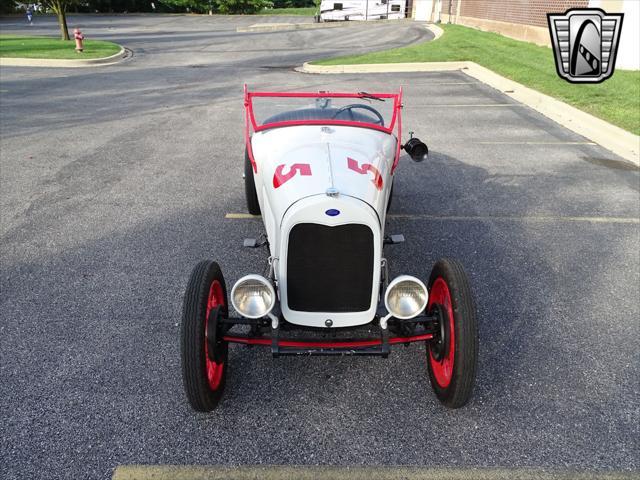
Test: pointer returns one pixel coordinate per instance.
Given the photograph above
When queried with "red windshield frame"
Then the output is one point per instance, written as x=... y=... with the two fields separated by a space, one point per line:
x=251 y=125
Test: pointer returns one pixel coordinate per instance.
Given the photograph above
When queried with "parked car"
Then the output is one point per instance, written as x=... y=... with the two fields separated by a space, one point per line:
x=319 y=168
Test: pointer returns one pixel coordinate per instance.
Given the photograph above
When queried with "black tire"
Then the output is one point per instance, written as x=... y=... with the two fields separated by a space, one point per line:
x=457 y=391
x=201 y=395
x=390 y=199
x=250 y=186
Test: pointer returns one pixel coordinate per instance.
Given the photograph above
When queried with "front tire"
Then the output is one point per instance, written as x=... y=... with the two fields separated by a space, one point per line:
x=204 y=373
x=253 y=206
x=452 y=354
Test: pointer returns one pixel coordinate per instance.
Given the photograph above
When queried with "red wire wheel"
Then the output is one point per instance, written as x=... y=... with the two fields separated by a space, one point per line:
x=452 y=355
x=214 y=369
x=204 y=352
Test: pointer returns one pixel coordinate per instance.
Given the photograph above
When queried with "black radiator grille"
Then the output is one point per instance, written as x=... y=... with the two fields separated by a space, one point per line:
x=330 y=269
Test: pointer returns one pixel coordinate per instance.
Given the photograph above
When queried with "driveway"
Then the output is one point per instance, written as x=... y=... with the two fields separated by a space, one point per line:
x=117 y=180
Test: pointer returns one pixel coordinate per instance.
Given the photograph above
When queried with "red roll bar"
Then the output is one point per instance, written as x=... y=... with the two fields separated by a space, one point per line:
x=250 y=124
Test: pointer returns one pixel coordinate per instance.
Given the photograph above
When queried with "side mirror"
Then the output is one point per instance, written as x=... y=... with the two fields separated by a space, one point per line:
x=416 y=149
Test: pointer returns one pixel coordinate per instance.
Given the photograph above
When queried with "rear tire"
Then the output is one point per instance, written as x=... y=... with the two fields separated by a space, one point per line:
x=452 y=356
x=390 y=199
x=253 y=206
x=204 y=379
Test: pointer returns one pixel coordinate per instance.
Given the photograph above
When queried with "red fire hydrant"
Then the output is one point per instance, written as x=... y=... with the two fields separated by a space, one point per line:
x=79 y=37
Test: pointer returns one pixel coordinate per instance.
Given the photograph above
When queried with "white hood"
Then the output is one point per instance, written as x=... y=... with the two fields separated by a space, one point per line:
x=301 y=161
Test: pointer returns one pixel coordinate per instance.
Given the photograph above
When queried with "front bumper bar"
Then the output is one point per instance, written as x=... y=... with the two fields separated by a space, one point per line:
x=428 y=326
x=371 y=347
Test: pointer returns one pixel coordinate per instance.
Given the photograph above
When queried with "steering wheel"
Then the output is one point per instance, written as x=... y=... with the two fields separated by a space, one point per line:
x=380 y=120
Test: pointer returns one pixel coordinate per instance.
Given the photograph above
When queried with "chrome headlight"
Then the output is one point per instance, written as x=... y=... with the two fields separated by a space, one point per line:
x=253 y=296
x=406 y=297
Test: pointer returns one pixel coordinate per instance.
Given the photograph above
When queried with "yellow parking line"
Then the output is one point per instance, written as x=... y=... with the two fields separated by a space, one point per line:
x=241 y=215
x=174 y=472
x=515 y=218
x=520 y=218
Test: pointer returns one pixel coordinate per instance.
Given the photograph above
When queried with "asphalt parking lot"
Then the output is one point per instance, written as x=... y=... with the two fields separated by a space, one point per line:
x=116 y=181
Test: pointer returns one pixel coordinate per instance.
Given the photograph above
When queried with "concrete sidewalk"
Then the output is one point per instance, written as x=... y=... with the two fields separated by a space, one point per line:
x=284 y=26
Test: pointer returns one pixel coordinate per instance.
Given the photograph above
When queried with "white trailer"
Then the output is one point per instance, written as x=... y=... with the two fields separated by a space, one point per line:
x=337 y=10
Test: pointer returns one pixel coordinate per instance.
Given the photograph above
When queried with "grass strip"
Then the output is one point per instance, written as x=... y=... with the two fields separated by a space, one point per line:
x=15 y=46
x=616 y=100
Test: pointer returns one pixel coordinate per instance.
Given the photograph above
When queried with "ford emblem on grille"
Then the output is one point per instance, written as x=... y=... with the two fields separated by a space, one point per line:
x=332 y=212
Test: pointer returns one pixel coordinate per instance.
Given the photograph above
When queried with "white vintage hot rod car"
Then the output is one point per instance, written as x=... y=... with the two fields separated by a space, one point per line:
x=319 y=168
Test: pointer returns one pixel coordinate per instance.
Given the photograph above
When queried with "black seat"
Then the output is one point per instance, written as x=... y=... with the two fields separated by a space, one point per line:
x=321 y=114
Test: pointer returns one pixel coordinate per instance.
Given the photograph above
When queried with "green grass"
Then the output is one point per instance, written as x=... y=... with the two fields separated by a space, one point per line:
x=47 y=47
x=307 y=12
x=616 y=100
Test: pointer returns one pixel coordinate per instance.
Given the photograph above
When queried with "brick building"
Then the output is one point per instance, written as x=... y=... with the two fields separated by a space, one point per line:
x=527 y=19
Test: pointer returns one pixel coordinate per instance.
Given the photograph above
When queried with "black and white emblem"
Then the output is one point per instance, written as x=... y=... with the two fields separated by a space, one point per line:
x=585 y=42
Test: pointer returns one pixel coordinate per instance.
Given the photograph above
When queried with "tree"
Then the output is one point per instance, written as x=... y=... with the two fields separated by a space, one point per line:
x=60 y=7
x=197 y=6
x=221 y=6
x=7 y=6
x=242 y=6
x=294 y=3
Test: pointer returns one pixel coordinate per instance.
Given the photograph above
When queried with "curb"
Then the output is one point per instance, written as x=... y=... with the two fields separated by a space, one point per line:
x=436 y=30
x=613 y=138
x=384 y=67
x=619 y=141
x=280 y=27
x=50 y=62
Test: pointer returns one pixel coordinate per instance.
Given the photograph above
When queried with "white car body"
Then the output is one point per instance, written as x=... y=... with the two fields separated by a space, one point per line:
x=361 y=198
x=360 y=10
x=319 y=170
x=322 y=175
